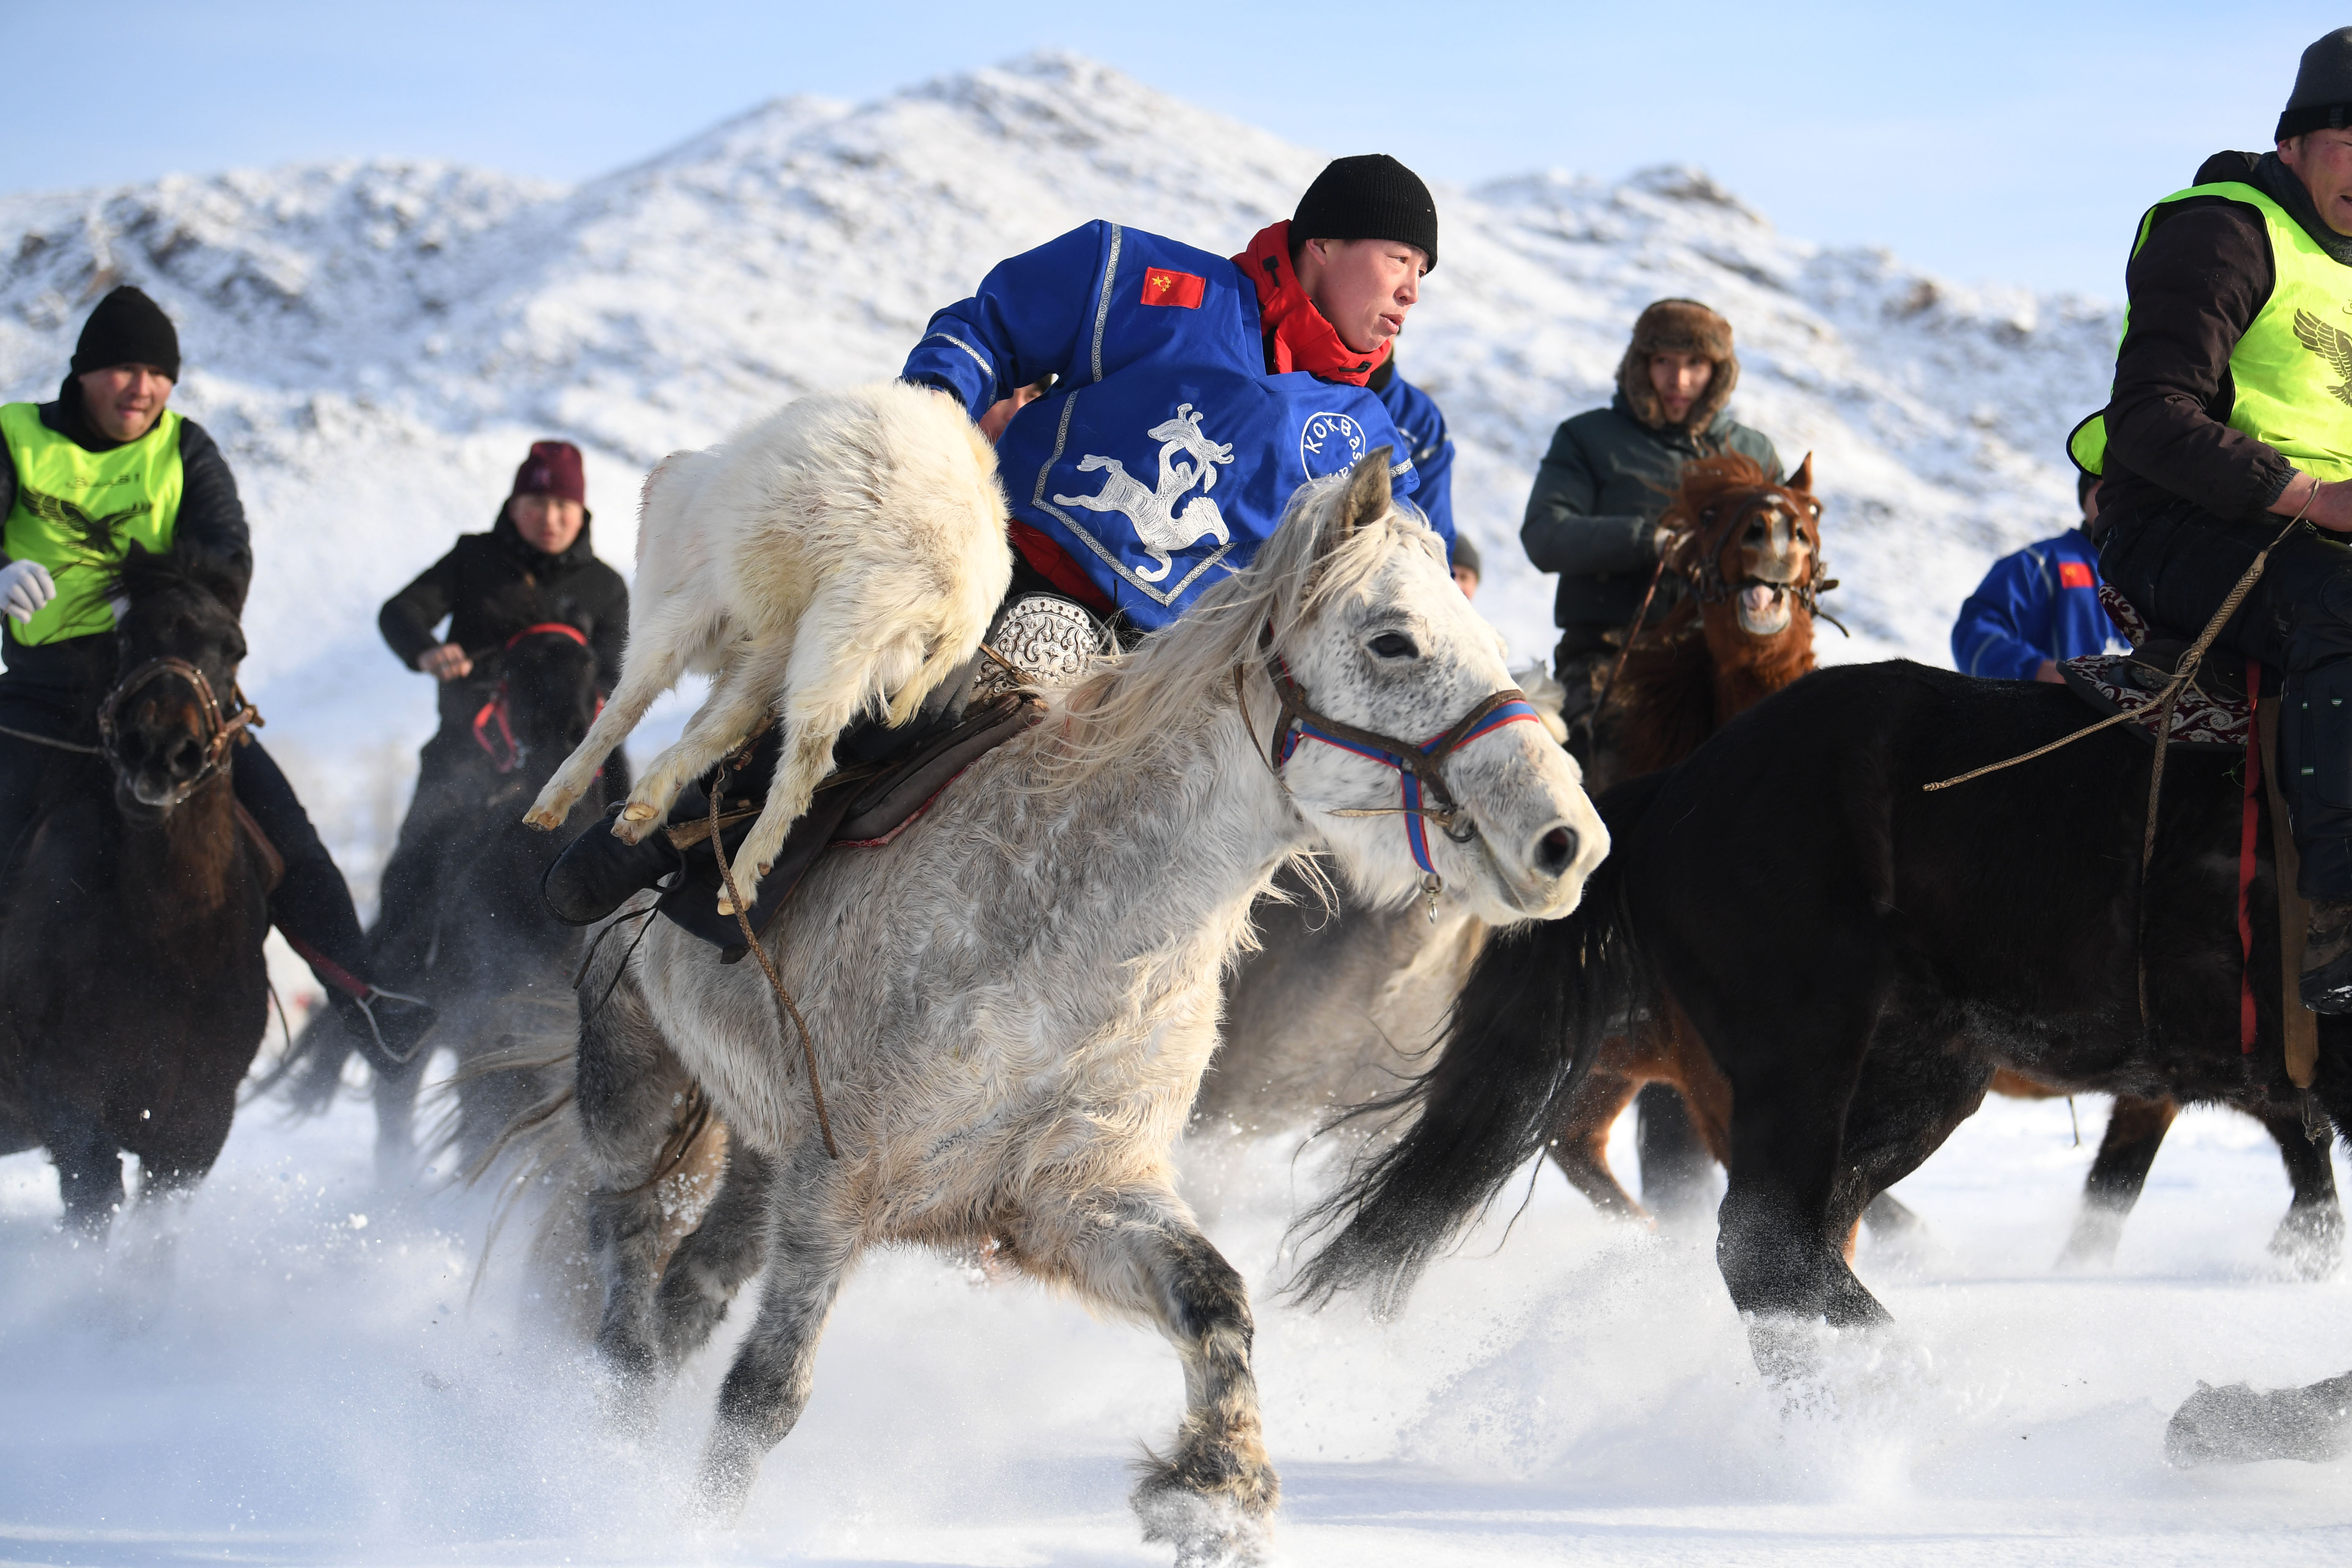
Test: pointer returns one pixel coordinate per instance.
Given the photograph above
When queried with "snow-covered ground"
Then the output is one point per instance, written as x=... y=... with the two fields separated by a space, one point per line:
x=303 y=1380
x=299 y=1377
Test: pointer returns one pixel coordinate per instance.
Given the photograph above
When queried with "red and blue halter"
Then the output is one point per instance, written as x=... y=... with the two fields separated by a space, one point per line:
x=1419 y=767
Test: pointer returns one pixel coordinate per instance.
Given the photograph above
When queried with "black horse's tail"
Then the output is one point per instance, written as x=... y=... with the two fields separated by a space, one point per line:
x=1528 y=1024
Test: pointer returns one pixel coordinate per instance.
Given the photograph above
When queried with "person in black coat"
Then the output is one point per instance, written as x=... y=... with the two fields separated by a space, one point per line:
x=536 y=563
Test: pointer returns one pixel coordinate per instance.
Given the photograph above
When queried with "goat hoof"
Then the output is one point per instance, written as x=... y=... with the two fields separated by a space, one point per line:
x=726 y=905
x=637 y=811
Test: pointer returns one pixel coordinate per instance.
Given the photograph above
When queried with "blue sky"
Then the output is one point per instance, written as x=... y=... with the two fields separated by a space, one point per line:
x=1994 y=141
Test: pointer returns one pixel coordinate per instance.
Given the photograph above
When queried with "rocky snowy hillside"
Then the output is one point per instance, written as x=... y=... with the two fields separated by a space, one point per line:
x=374 y=342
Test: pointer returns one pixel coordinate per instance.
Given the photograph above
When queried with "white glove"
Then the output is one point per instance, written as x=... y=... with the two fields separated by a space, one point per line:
x=24 y=587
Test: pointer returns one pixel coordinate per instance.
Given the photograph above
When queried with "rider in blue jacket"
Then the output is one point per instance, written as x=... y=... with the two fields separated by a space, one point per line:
x=1188 y=396
x=1421 y=423
x=1194 y=393
x=2037 y=609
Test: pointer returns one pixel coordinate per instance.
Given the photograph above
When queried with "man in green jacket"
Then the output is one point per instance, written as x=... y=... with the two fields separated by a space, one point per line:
x=166 y=487
x=2229 y=424
x=1593 y=514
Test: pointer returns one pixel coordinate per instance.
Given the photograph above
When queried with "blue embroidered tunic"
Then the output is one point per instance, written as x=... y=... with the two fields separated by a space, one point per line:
x=1166 y=454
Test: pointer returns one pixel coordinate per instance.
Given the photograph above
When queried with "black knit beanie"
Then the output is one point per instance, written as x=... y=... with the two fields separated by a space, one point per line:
x=2322 y=99
x=1370 y=197
x=127 y=328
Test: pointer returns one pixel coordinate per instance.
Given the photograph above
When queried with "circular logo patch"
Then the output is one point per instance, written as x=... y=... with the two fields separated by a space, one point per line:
x=1329 y=443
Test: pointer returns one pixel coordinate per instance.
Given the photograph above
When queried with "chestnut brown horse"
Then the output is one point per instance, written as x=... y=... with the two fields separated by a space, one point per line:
x=1750 y=551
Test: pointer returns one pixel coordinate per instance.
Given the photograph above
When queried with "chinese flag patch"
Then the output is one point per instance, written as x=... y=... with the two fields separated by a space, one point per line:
x=1162 y=286
x=2074 y=574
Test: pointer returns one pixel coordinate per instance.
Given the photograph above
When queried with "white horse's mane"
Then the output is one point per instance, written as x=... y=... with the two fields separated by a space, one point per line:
x=1184 y=672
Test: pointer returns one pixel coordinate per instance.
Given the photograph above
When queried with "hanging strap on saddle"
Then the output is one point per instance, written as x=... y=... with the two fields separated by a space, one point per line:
x=2298 y=1023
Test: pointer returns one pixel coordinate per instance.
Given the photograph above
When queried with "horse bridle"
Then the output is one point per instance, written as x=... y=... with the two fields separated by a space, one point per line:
x=1708 y=584
x=1421 y=769
x=495 y=710
x=221 y=727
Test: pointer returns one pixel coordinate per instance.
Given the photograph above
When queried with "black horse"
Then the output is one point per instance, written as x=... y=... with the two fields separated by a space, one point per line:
x=1859 y=957
x=496 y=966
x=133 y=991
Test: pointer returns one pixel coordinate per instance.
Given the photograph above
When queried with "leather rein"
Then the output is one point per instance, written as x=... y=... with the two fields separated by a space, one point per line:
x=1421 y=768
x=221 y=725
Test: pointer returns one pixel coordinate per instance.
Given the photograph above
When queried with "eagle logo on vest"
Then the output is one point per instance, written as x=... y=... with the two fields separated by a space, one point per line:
x=1187 y=457
x=94 y=537
x=2330 y=344
x=1329 y=443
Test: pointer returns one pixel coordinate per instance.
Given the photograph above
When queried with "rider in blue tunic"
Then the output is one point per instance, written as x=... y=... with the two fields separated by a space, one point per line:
x=1421 y=423
x=2038 y=607
x=1195 y=392
x=1191 y=396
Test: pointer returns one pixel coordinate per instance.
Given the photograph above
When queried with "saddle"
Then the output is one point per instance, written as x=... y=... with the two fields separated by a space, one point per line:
x=864 y=805
x=2213 y=711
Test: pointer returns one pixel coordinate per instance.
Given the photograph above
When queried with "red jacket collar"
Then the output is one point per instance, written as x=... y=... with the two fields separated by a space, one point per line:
x=1297 y=335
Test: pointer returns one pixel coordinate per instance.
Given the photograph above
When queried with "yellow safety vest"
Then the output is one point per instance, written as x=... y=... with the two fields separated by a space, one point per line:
x=2293 y=369
x=77 y=513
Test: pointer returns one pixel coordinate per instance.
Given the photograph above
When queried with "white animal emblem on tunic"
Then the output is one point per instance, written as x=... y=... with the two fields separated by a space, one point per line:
x=1161 y=529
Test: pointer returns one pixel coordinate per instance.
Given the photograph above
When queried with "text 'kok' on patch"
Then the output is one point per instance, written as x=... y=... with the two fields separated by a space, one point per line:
x=1164 y=285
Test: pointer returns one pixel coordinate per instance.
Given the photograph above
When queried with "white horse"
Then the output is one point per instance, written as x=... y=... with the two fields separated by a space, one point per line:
x=843 y=554
x=1012 y=1002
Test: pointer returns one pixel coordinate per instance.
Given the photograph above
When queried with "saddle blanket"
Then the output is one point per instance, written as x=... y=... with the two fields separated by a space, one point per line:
x=2113 y=682
x=856 y=808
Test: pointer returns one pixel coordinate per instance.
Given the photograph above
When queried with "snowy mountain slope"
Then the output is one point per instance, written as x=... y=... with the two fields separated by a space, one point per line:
x=373 y=343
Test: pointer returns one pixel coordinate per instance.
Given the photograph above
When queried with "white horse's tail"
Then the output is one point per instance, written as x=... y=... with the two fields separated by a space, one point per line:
x=540 y=1158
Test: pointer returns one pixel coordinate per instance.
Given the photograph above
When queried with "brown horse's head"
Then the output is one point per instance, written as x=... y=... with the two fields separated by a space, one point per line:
x=1750 y=548
x=167 y=725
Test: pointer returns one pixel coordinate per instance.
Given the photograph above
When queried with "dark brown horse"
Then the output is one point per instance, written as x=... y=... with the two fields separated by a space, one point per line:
x=1752 y=552
x=1860 y=953
x=497 y=965
x=132 y=994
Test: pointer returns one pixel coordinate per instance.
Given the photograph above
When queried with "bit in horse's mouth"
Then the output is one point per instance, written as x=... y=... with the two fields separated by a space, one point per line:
x=1763 y=609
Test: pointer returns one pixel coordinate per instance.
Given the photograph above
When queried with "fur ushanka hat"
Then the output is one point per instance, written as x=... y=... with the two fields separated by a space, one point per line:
x=1678 y=326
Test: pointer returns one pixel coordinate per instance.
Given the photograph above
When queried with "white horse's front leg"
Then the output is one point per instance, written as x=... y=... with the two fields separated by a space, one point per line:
x=1139 y=1253
x=810 y=1250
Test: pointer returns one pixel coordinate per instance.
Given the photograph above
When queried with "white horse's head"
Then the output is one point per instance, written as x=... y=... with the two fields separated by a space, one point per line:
x=1372 y=628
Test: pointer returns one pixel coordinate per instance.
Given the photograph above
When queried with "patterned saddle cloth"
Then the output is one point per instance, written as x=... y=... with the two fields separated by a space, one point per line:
x=2213 y=712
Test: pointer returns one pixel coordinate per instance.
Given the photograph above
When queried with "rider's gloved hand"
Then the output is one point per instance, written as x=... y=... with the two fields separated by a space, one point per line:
x=24 y=587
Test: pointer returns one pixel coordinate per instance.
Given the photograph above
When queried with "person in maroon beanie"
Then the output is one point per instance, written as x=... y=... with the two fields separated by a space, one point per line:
x=535 y=564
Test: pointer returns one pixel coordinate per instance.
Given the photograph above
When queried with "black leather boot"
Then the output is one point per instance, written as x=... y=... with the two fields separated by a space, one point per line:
x=2327 y=958
x=596 y=873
